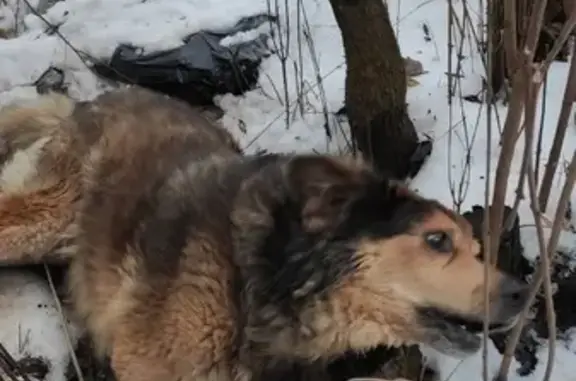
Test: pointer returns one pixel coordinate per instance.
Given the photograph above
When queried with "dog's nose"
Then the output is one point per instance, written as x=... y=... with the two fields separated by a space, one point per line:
x=514 y=292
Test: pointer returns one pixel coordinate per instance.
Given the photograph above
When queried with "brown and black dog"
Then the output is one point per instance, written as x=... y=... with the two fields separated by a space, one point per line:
x=192 y=261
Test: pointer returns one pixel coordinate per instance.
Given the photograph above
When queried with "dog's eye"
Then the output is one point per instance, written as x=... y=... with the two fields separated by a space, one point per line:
x=439 y=241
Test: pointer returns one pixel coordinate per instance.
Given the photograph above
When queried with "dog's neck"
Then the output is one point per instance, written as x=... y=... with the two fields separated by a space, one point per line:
x=327 y=329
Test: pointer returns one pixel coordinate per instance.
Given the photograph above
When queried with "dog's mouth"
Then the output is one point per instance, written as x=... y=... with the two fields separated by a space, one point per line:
x=475 y=326
x=456 y=335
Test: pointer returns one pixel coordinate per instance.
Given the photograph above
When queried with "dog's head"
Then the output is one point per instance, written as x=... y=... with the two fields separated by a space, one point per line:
x=334 y=257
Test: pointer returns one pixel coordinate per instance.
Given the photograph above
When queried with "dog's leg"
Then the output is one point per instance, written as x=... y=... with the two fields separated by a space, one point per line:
x=135 y=357
x=149 y=344
x=132 y=361
x=129 y=366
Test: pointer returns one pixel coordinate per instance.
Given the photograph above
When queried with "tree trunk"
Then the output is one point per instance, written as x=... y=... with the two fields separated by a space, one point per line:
x=375 y=86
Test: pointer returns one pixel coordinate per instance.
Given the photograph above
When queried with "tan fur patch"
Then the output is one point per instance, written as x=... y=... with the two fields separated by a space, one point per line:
x=22 y=168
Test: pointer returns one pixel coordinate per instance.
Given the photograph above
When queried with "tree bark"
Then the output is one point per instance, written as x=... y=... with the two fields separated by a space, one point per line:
x=375 y=86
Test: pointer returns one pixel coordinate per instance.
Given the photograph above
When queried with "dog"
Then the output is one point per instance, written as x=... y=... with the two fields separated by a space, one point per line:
x=194 y=261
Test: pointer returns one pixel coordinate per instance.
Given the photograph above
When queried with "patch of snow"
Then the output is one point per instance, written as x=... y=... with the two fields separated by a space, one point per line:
x=31 y=324
x=246 y=36
x=7 y=19
x=17 y=94
x=470 y=368
x=13 y=13
x=263 y=110
x=97 y=27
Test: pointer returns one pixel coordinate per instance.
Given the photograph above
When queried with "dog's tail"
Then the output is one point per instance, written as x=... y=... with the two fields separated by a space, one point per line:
x=38 y=178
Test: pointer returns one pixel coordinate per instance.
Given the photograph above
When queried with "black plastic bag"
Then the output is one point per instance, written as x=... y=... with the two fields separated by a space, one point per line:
x=198 y=70
x=51 y=80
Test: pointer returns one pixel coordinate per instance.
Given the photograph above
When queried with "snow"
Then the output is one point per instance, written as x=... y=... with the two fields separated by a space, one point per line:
x=30 y=321
x=96 y=27
x=470 y=369
x=258 y=120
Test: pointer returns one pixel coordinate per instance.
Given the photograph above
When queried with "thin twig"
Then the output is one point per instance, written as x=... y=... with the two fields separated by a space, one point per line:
x=530 y=99
x=486 y=222
x=86 y=58
x=561 y=128
x=64 y=324
x=504 y=162
x=540 y=275
x=519 y=88
x=82 y=55
x=541 y=128
x=545 y=265
x=458 y=193
x=534 y=29
x=551 y=316
x=8 y=361
x=510 y=35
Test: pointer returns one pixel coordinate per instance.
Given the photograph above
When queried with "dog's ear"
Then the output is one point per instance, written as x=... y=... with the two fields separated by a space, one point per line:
x=323 y=186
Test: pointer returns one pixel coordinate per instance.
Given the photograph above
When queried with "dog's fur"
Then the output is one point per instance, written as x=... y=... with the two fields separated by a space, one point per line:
x=39 y=179
x=195 y=262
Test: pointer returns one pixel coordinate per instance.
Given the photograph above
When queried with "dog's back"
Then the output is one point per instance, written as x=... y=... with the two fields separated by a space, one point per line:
x=151 y=113
x=148 y=235
x=43 y=147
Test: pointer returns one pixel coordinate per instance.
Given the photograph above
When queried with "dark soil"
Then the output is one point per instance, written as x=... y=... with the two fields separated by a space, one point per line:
x=91 y=368
x=563 y=274
x=36 y=367
x=384 y=363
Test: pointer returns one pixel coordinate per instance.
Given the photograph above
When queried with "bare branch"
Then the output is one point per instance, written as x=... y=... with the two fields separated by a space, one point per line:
x=510 y=34
x=505 y=160
x=534 y=29
x=561 y=128
x=541 y=275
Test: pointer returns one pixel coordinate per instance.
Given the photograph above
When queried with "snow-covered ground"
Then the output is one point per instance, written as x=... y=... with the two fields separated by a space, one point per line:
x=257 y=118
x=31 y=325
